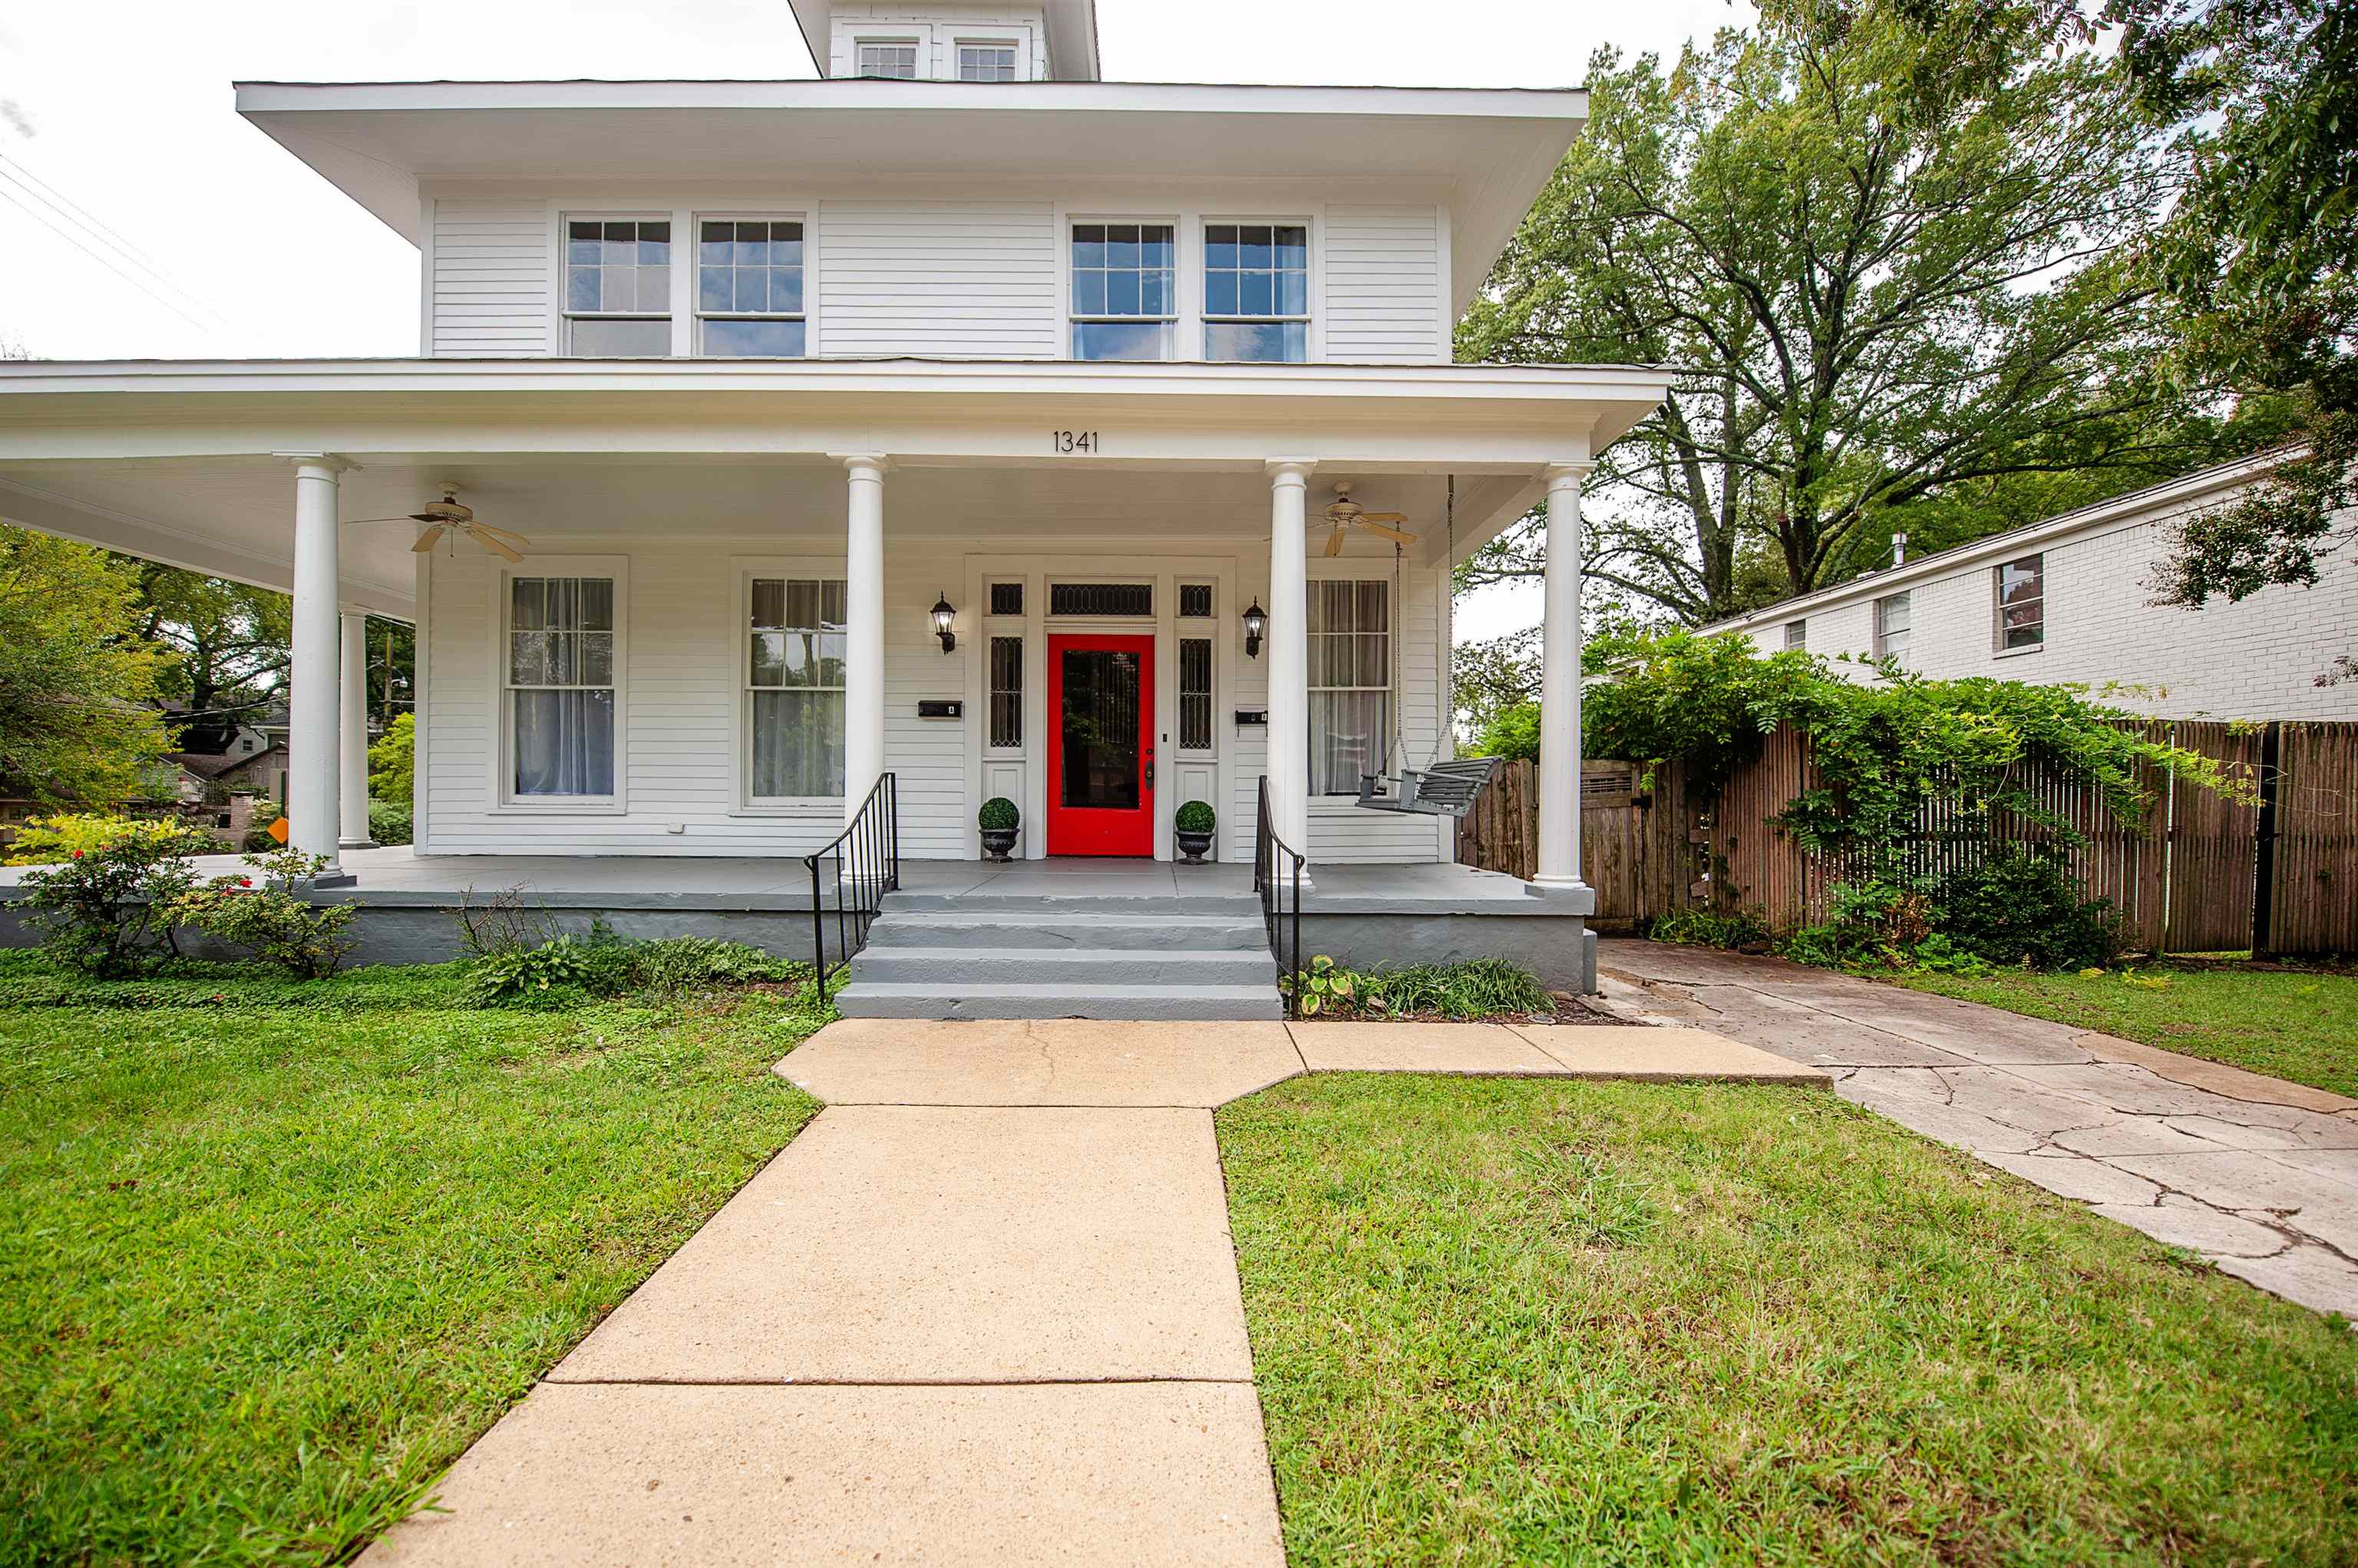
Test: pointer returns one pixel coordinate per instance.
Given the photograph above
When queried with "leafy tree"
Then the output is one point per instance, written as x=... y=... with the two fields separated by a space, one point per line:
x=234 y=644
x=1890 y=252
x=76 y=679
x=2261 y=257
x=393 y=761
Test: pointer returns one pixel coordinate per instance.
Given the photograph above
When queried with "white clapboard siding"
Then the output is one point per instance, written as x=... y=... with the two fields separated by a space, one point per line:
x=491 y=277
x=943 y=279
x=1383 y=272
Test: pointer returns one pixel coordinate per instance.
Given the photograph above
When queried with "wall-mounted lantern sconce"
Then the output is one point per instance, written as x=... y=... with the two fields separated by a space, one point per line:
x=1256 y=623
x=944 y=618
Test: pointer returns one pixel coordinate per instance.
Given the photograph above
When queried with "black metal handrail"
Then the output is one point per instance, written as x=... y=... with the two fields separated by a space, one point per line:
x=866 y=857
x=1272 y=857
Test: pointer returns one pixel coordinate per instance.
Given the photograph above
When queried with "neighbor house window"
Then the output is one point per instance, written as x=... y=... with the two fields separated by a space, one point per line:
x=895 y=61
x=793 y=679
x=2022 y=603
x=618 y=287
x=1894 y=618
x=1797 y=633
x=1006 y=693
x=986 y=62
x=560 y=687
x=1257 y=292
x=1195 y=694
x=1349 y=629
x=748 y=287
x=1125 y=296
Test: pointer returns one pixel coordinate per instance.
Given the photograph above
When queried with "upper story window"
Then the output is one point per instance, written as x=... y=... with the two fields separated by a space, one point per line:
x=1797 y=633
x=2022 y=604
x=618 y=286
x=1257 y=292
x=1125 y=295
x=748 y=287
x=892 y=59
x=986 y=62
x=1895 y=620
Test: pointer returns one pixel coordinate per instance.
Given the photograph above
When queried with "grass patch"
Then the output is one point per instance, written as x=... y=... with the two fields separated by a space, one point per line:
x=273 y=1253
x=1502 y=1321
x=2300 y=1025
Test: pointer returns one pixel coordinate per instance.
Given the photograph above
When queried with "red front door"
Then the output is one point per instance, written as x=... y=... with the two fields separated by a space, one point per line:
x=1100 y=745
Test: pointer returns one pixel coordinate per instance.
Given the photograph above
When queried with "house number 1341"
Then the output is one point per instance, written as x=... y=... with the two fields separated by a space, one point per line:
x=1073 y=441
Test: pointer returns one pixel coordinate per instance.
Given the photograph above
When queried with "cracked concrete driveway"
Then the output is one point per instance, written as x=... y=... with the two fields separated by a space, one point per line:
x=2257 y=1174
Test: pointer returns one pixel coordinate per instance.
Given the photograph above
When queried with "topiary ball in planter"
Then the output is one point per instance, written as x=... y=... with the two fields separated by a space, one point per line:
x=1192 y=829
x=998 y=821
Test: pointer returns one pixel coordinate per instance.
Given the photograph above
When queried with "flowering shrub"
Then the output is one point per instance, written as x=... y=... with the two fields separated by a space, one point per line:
x=305 y=939
x=107 y=909
x=46 y=840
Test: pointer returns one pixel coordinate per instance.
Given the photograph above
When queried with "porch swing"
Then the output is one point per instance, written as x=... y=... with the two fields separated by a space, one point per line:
x=1443 y=788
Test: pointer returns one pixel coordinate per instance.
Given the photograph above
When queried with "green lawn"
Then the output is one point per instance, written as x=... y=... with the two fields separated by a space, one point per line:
x=1500 y=1321
x=266 y=1267
x=2300 y=1025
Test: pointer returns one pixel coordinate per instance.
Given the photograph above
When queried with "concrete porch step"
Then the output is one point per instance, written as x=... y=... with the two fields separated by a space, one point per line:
x=1099 y=969
x=1074 y=903
x=863 y=999
x=1004 y=929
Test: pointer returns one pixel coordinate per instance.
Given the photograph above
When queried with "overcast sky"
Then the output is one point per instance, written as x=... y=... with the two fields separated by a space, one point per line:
x=123 y=109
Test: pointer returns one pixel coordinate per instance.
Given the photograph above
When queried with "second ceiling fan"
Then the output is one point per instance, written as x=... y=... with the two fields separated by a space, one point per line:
x=1345 y=513
x=449 y=515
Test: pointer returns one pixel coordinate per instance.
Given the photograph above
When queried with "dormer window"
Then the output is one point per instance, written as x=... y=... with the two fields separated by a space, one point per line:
x=892 y=59
x=1257 y=292
x=618 y=287
x=749 y=289
x=1125 y=294
x=986 y=62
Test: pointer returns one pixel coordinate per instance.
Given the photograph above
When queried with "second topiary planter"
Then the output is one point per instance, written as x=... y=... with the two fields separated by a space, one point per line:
x=1191 y=829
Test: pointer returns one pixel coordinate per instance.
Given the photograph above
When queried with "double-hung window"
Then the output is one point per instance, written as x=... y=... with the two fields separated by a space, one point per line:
x=618 y=287
x=561 y=658
x=895 y=59
x=1257 y=292
x=1797 y=633
x=748 y=287
x=986 y=62
x=1895 y=620
x=2022 y=604
x=794 y=686
x=1124 y=290
x=1349 y=631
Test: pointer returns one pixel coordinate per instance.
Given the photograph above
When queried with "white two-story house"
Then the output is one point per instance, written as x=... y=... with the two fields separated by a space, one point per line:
x=956 y=416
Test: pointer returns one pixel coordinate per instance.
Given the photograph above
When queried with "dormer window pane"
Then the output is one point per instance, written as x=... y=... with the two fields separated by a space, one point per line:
x=986 y=62
x=748 y=287
x=1124 y=290
x=896 y=61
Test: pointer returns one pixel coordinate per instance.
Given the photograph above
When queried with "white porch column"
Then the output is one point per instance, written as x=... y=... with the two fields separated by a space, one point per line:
x=1559 y=683
x=863 y=594
x=314 y=689
x=1289 y=651
x=352 y=732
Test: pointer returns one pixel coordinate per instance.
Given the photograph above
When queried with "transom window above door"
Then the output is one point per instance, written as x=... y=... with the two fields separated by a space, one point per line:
x=1125 y=296
x=1257 y=292
x=748 y=287
x=618 y=286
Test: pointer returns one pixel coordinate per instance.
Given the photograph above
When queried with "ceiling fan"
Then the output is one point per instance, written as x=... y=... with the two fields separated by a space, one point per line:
x=1345 y=513
x=448 y=515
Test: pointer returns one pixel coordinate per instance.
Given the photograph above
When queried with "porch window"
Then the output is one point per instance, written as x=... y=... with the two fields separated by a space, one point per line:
x=1125 y=291
x=2022 y=604
x=561 y=658
x=893 y=60
x=1006 y=693
x=1195 y=694
x=1349 y=633
x=1895 y=620
x=618 y=287
x=749 y=289
x=986 y=62
x=1257 y=292
x=793 y=679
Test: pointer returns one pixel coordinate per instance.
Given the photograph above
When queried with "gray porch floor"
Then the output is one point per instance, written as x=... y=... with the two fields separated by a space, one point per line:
x=400 y=878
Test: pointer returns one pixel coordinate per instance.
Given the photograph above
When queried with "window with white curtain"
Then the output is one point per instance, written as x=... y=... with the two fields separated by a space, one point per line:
x=1349 y=631
x=1895 y=623
x=561 y=657
x=794 y=685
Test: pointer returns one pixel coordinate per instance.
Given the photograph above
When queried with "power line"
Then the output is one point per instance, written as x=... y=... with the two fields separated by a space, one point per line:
x=138 y=282
x=37 y=187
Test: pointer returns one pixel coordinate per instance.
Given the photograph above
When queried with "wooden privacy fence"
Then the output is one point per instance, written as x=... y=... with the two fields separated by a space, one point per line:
x=2199 y=873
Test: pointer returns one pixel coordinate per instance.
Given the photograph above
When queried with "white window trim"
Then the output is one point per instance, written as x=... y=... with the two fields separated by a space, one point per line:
x=1875 y=622
x=919 y=39
x=566 y=317
x=1356 y=571
x=1312 y=289
x=505 y=802
x=1017 y=47
x=699 y=316
x=1183 y=318
x=1797 y=644
x=743 y=570
x=1998 y=650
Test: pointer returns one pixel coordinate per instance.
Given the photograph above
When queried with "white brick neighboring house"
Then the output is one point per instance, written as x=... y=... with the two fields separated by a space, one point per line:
x=2080 y=587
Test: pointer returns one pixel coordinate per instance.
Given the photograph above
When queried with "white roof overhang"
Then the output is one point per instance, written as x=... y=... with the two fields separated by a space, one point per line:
x=1487 y=152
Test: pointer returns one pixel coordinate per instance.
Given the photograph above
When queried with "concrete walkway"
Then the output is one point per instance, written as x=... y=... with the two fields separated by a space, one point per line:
x=2255 y=1173
x=984 y=1309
